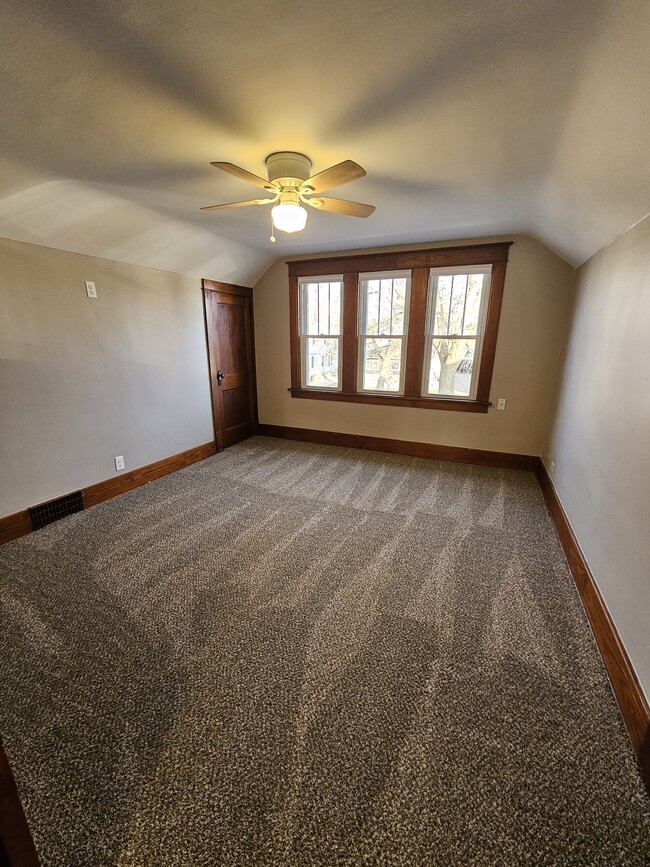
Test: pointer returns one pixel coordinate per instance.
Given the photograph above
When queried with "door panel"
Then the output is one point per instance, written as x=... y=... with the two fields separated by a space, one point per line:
x=236 y=407
x=234 y=380
x=229 y=324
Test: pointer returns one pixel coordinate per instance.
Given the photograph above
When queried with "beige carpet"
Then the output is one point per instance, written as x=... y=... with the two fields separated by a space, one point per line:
x=298 y=655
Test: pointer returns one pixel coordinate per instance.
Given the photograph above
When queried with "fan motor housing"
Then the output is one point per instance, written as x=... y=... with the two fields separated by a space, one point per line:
x=288 y=166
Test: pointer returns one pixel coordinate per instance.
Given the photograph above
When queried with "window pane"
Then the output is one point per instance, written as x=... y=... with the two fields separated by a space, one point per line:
x=335 y=308
x=443 y=298
x=399 y=305
x=473 y=303
x=310 y=298
x=457 y=304
x=372 y=306
x=322 y=362
x=323 y=309
x=382 y=361
x=451 y=367
x=385 y=306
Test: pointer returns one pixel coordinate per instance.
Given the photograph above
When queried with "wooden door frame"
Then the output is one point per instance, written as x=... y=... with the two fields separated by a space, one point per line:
x=207 y=287
x=16 y=845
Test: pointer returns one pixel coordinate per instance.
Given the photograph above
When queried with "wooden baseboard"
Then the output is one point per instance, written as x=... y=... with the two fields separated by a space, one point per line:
x=629 y=695
x=135 y=478
x=403 y=447
x=13 y=526
x=19 y=523
x=16 y=845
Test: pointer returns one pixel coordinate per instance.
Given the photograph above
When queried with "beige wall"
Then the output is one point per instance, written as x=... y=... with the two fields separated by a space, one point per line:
x=84 y=380
x=537 y=299
x=600 y=440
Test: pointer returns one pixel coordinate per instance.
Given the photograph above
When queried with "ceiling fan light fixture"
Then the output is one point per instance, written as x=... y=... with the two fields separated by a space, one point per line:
x=289 y=217
x=291 y=185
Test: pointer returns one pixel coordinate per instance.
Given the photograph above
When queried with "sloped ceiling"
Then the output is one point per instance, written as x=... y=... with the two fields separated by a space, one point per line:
x=470 y=118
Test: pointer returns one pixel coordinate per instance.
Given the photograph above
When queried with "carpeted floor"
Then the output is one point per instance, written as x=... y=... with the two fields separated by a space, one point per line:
x=290 y=654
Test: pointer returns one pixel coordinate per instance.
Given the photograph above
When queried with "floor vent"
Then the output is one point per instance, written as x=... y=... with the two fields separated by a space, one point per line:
x=47 y=513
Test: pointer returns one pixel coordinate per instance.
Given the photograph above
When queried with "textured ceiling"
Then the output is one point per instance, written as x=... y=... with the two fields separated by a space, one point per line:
x=470 y=118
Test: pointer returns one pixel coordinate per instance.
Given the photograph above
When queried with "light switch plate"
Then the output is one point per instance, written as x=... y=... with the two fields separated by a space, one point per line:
x=91 y=289
x=501 y=403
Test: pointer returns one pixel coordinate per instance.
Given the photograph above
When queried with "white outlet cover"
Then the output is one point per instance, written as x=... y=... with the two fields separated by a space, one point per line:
x=91 y=289
x=501 y=403
x=119 y=462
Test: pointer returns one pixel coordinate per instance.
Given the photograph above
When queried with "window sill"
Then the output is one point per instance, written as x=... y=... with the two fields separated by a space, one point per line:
x=451 y=403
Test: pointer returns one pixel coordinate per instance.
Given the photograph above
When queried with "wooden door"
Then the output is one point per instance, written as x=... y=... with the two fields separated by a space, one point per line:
x=231 y=353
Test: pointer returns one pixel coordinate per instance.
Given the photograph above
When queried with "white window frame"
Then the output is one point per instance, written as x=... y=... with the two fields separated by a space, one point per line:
x=305 y=336
x=362 y=320
x=430 y=336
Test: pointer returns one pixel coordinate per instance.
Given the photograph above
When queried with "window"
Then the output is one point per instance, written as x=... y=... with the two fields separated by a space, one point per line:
x=383 y=304
x=413 y=328
x=455 y=324
x=320 y=319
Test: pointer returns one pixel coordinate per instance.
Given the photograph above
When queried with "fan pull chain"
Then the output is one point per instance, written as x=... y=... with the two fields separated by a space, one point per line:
x=271 y=236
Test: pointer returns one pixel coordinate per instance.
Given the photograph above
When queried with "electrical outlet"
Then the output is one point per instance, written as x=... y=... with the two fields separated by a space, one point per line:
x=119 y=462
x=501 y=403
x=91 y=289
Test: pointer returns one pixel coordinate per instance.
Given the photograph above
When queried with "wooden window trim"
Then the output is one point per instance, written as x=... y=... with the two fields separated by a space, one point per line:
x=418 y=262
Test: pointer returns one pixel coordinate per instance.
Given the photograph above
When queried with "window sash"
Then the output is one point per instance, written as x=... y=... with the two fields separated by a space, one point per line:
x=304 y=352
x=402 y=358
x=304 y=324
x=431 y=335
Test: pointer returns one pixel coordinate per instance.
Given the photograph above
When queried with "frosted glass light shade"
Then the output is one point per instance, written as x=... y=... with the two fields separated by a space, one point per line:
x=289 y=217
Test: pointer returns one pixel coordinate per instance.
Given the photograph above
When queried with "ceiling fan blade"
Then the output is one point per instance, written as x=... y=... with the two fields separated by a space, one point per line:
x=238 y=204
x=238 y=172
x=341 y=173
x=341 y=206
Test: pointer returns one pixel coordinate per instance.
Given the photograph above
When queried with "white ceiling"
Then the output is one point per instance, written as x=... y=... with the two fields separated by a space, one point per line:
x=470 y=118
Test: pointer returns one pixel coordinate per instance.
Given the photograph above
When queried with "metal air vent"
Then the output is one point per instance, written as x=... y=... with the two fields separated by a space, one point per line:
x=47 y=513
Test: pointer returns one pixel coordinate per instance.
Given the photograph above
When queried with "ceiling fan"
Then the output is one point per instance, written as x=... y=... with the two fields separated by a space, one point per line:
x=290 y=184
